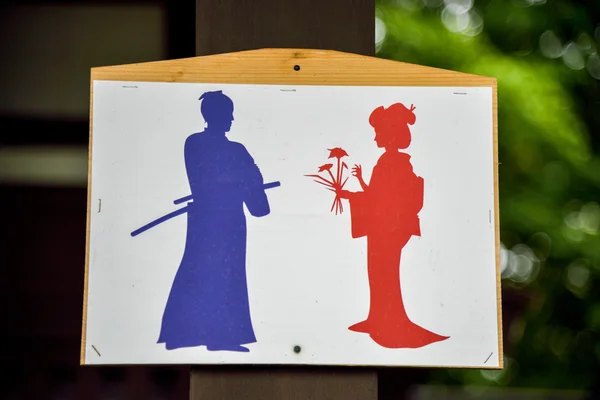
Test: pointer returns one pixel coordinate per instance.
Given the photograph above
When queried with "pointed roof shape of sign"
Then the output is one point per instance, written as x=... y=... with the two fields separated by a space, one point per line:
x=290 y=66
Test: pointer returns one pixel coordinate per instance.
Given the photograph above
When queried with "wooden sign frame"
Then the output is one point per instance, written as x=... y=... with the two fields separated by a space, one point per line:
x=296 y=67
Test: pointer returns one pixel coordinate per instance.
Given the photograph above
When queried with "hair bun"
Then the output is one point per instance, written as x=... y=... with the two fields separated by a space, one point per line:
x=402 y=112
x=397 y=113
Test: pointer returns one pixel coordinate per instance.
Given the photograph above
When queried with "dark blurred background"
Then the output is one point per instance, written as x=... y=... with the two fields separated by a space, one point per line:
x=544 y=54
x=46 y=51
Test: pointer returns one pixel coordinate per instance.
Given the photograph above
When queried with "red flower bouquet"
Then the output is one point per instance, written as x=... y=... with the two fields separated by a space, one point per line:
x=332 y=182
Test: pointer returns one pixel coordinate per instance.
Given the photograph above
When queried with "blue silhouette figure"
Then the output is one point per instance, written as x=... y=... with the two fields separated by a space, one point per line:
x=208 y=303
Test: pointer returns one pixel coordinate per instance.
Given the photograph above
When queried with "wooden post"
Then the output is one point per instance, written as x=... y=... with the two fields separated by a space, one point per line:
x=224 y=26
x=234 y=25
x=279 y=383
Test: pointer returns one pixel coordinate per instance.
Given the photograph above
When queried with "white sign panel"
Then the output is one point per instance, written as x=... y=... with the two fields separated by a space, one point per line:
x=270 y=224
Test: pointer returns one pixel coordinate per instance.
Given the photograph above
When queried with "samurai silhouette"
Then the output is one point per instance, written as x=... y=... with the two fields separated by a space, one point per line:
x=208 y=303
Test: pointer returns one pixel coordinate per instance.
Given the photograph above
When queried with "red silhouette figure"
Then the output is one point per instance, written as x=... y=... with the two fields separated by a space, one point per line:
x=386 y=212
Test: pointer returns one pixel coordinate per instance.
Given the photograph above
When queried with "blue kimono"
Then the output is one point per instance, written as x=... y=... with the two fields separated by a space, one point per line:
x=208 y=303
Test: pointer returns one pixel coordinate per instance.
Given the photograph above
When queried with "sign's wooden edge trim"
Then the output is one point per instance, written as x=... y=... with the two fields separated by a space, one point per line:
x=253 y=364
x=478 y=81
x=497 y=227
x=87 y=233
x=258 y=56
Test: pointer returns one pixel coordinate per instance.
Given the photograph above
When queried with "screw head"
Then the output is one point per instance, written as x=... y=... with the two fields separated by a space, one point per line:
x=297 y=349
x=296 y=68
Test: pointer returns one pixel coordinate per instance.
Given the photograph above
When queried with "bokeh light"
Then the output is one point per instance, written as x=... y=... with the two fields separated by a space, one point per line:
x=455 y=19
x=586 y=44
x=380 y=33
x=577 y=277
x=585 y=219
x=572 y=56
x=550 y=45
x=593 y=66
x=519 y=264
x=459 y=16
x=459 y=6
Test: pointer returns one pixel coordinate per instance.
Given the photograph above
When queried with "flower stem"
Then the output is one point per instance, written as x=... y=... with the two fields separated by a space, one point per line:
x=324 y=184
x=332 y=178
x=338 y=170
x=320 y=177
x=343 y=183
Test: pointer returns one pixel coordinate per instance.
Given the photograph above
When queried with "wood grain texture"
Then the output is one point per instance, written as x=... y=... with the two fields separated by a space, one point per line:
x=276 y=66
x=317 y=67
x=88 y=222
x=497 y=226
x=283 y=384
x=224 y=26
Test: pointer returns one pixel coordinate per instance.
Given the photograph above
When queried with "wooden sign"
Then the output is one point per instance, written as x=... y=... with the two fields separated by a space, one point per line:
x=292 y=207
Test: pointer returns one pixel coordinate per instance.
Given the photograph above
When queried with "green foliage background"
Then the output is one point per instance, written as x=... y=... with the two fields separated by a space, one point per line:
x=544 y=55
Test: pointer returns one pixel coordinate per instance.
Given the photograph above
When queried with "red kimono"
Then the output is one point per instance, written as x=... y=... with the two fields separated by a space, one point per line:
x=387 y=214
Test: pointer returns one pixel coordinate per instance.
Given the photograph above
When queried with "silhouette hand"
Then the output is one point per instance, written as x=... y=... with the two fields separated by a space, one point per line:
x=343 y=194
x=357 y=171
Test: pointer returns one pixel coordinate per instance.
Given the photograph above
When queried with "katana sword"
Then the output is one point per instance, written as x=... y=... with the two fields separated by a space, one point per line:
x=265 y=186
x=183 y=210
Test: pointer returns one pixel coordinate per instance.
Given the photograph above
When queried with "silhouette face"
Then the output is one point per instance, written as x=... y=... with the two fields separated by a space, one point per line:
x=379 y=138
x=217 y=110
x=221 y=121
x=396 y=136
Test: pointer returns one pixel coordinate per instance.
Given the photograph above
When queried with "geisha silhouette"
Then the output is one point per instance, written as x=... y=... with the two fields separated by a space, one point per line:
x=208 y=304
x=386 y=212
